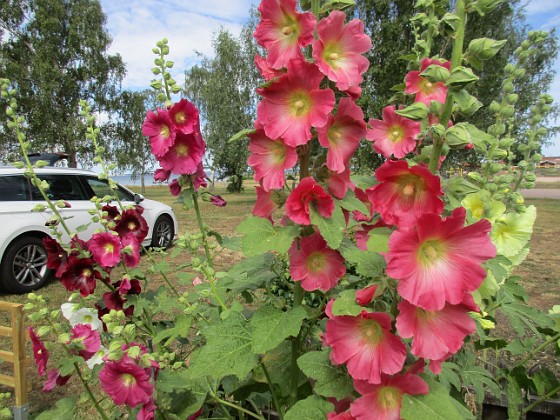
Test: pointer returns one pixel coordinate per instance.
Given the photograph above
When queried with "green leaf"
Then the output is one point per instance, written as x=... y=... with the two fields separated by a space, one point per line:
x=416 y=111
x=484 y=48
x=368 y=263
x=271 y=326
x=64 y=409
x=312 y=408
x=346 y=304
x=545 y=381
x=278 y=362
x=227 y=350
x=261 y=236
x=514 y=398
x=331 y=381
x=478 y=378
x=180 y=329
x=467 y=103
x=435 y=73
x=249 y=274
x=436 y=405
x=350 y=202
x=331 y=229
x=240 y=135
x=379 y=240
x=519 y=347
x=460 y=78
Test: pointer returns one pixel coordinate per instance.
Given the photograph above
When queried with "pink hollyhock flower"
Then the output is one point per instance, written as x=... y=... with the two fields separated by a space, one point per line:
x=80 y=275
x=346 y=415
x=199 y=178
x=354 y=92
x=394 y=135
x=130 y=250
x=265 y=204
x=159 y=128
x=365 y=343
x=436 y=365
x=126 y=382
x=185 y=154
x=338 y=50
x=342 y=134
x=175 y=188
x=133 y=223
x=84 y=340
x=147 y=412
x=436 y=334
x=267 y=72
x=425 y=90
x=105 y=247
x=295 y=103
x=54 y=378
x=57 y=258
x=184 y=116
x=440 y=260
x=218 y=201
x=383 y=401
x=317 y=266
x=111 y=213
x=40 y=352
x=269 y=158
x=404 y=194
x=307 y=192
x=365 y=296
x=283 y=31
x=338 y=184
x=161 y=175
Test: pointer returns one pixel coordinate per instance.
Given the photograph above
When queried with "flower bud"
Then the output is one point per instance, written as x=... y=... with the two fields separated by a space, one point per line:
x=508 y=87
x=512 y=98
x=474 y=176
x=506 y=142
x=500 y=154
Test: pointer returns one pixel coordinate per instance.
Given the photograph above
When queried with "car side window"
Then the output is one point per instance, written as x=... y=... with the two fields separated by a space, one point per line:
x=14 y=188
x=61 y=187
x=101 y=188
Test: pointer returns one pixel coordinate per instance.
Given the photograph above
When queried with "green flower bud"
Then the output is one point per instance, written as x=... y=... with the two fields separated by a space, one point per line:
x=484 y=48
x=512 y=98
x=506 y=142
x=500 y=154
x=474 y=176
x=508 y=87
x=531 y=177
x=491 y=187
x=496 y=167
x=542 y=131
x=494 y=107
x=520 y=73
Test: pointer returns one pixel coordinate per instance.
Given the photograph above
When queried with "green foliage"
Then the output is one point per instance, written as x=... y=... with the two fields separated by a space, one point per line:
x=64 y=409
x=332 y=228
x=312 y=408
x=332 y=381
x=271 y=326
x=261 y=236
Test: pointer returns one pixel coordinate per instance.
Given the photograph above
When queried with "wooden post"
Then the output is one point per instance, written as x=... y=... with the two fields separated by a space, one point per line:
x=17 y=357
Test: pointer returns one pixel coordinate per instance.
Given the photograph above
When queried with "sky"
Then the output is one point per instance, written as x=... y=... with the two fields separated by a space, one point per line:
x=136 y=26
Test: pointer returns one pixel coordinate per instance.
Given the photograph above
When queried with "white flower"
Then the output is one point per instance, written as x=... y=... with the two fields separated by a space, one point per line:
x=68 y=309
x=86 y=316
x=97 y=358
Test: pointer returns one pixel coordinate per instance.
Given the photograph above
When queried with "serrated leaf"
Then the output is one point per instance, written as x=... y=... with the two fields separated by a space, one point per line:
x=514 y=398
x=331 y=381
x=379 y=240
x=64 y=409
x=368 y=263
x=312 y=408
x=228 y=350
x=478 y=378
x=518 y=347
x=180 y=329
x=261 y=236
x=545 y=381
x=331 y=229
x=350 y=202
x=449 y=376
x=522 y=317
x=436 y=405
x=271 y=326
x=346 y=304
x=249 y=274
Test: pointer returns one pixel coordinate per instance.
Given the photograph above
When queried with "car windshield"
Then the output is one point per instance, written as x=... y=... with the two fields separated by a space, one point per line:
x=101 y=189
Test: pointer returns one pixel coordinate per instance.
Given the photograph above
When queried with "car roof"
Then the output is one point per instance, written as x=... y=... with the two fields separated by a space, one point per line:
x=12 y=170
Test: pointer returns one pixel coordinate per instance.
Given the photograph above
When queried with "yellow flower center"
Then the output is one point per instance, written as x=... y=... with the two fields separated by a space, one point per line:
x=164 y=131
x=395 y=133
x=108 y=248
x=333 y=56
x=300 y=104
x=288 y=30
x=430 y=252
x=87 y=318
x=180 y=117
x=131 y=226
x=371 y=331
x=429 y=85
x=86 y=272
x=128 y=380
x=315 y=262
x=278 y=152
x=389 y=397
x=408 y=190
x=181 y=150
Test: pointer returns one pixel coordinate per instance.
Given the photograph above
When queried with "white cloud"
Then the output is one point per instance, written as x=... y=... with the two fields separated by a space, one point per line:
x=534 y=7
x=136 y=27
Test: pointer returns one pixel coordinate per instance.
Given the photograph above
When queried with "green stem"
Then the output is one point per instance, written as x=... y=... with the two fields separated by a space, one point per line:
x=294 y=373
x=236 y=407
x=539 y=348
x=430 y=35
x=272 y=391
x=456 y=58
x=542 y=399
x=90 y=394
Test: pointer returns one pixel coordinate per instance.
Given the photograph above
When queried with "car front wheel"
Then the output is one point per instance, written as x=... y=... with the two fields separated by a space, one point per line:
x=24 y=266
x=163 y=232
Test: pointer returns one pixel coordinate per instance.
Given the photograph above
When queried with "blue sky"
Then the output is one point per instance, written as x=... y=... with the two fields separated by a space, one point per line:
x=188 y=25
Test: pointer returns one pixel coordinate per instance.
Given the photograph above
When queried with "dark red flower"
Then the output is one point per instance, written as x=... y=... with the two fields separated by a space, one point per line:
x=306 y=193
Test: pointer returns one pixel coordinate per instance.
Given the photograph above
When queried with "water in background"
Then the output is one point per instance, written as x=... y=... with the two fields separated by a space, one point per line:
x=126 y=179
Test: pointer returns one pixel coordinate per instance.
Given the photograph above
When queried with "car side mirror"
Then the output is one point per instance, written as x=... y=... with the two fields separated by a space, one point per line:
x=138 y=198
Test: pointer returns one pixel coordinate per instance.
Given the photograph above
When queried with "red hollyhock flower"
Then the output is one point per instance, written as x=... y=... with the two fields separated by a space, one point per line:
x=147 y=412
x=425 y=90
x=80 y=275
x=161 y=175
x=295 y=103
x=267 y=72
x=105 y=247
x=57 y=257
x=317 y=266
x=265 y=204
x=338 y=50
x=40 y=352
x=394 y=135
x=436 y=334
x=130 y=250
x=84 y=340
x=342 y=134
x=184 y=116
x=440 y=260
x=113 y=213
x=383 y=401
x=346 y=415
x=218 y=201
x=404 y=194
x=307 y=192
x=269 y=158
x=365 y=296
x=132 y=222
x=54 y=378
x=159 y=128
x=338 y=184
x=365 y=343
x=199 y=178
x=175 y=188
x=283 y=31
x=185 y=154
x=126 y=382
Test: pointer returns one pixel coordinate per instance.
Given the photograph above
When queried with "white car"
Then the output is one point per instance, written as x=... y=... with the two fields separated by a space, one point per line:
x=22 y=254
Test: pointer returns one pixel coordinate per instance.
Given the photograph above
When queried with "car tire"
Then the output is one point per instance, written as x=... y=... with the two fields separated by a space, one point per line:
x=24 y=266
x=163 y=232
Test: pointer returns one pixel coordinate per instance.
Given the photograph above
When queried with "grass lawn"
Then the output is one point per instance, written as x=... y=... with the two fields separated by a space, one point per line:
x=541 y=270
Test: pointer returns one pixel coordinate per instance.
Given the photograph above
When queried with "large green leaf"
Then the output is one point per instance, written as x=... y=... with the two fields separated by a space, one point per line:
x=261 y=236
x=331 y=229
x=345 y=304
x=368 y=263
x=250 y=273
x=312 y=408
x=350 y=202
x=270 y=326
x=331 y=381
x=180 y=329
x=435 y=405
x=64 y=409
x=228 y=350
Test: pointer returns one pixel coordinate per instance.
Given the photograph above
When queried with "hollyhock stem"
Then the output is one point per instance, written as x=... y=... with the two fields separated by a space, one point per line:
x=206 y=250
x=430 y=35
x=90 y=394
x=542 y=399
x=235 y=406
x=539 y=348
x=272 y=392
x=456 y=59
